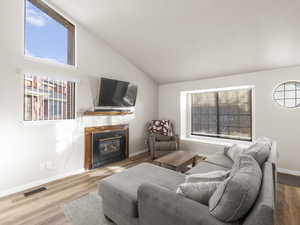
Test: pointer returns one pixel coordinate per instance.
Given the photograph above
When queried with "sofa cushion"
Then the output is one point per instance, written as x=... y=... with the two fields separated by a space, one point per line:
x=165 y=145
x=220 y=159
x=158 y=206
x=200 y=192
x=266 y=141
x=233 y=152
x=205 y=167
x=119 y=191
x=236 y=195
x=259 y=151
x=218 y=175
x=162 y=137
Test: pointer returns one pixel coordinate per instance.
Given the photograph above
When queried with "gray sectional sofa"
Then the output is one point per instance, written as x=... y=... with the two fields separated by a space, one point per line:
x=146 y=195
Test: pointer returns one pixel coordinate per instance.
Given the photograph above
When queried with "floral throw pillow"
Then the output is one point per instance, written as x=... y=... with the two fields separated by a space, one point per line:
x=161 y=127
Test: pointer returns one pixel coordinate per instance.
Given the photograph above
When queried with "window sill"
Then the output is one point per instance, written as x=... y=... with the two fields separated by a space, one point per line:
x=46 y=122
x=215 y=141
x=49 y=62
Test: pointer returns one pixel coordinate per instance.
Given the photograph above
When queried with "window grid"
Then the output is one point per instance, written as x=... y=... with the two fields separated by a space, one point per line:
x=48 y=99
x=219 y=121
x=288 y=94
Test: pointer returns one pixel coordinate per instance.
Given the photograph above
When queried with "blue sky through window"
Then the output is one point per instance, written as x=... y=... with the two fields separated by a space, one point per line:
x=45 y=37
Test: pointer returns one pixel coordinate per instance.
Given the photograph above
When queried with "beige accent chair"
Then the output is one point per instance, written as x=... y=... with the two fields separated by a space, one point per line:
x=160 y=145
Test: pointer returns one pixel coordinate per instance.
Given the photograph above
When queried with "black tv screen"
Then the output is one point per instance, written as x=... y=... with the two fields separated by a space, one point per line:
x=117 y=93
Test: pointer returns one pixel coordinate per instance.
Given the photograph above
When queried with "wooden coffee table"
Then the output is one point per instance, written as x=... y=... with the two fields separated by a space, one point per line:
x=179 y=160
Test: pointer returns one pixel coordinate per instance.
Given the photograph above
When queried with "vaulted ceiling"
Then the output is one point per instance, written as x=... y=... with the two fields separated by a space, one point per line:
x=179 y=40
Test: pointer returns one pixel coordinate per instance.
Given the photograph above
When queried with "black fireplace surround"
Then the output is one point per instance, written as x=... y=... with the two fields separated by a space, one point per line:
x=108 y=147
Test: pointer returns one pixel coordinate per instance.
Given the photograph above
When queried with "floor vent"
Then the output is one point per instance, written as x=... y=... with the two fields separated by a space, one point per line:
x=35 y=191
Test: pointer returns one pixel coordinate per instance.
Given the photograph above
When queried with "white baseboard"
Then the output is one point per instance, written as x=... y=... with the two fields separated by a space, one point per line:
x=50 y=179
x=39 y=182
x=139 y=152
x=290 y=172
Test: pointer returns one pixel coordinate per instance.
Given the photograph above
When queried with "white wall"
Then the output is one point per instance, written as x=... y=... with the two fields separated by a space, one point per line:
x=24 y=147
x=271 y=120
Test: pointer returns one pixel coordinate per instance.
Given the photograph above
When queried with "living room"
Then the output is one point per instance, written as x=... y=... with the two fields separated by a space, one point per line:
x=118 y=109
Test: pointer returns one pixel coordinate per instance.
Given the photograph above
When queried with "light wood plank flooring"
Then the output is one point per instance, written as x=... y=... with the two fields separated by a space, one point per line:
x=288 y=205
x=45 y=208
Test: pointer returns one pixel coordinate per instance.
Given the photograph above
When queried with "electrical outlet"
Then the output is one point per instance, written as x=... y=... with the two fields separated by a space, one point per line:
x=49 y=165
x=43 y=165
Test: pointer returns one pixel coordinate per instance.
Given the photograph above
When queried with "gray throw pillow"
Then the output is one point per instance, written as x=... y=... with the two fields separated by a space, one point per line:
x=265 y=140
x=235 y=196
x=218 y=175
x=260 y=150
x=200 y=192
x=234 y=151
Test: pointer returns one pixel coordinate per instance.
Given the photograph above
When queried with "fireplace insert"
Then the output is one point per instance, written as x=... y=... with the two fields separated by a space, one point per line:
x=108 y=147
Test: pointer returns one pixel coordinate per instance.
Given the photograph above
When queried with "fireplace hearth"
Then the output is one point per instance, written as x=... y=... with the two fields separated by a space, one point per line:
x=105 y=144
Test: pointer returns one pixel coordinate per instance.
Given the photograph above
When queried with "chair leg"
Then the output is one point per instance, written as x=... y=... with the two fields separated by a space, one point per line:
x=109 y=219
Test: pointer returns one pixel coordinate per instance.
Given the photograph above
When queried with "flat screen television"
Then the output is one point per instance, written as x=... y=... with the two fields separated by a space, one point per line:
x=116 y=93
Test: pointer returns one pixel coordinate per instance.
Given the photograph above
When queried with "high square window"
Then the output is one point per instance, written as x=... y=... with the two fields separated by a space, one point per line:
x=222 y=114
x=48 y=35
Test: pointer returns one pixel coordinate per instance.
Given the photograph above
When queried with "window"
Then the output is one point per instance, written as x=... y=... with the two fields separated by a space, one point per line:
x=288 y=94
x=222 y=114
x=48 y=99
x=48 y=35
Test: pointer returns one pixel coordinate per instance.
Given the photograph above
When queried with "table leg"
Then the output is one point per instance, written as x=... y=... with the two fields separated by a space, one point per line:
x=194 y=161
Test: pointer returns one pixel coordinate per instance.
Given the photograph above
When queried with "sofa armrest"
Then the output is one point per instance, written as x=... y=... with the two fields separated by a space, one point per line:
x=159 y=206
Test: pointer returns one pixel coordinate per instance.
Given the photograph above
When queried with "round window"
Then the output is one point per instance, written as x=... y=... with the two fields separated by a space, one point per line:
x=288 y=94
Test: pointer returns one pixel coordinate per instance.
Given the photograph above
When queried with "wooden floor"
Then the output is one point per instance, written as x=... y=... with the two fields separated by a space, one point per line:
x=45 y=208
x=288 y=205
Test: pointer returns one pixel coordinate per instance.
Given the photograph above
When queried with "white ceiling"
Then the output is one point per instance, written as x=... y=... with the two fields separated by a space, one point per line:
x=179 y=40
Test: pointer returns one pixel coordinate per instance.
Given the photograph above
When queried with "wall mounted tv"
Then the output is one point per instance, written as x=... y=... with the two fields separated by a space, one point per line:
x=115 y=93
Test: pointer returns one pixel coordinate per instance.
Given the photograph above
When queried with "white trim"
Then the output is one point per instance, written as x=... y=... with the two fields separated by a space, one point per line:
x=189 y=115
x=51 y=74
x=139 y=152
x=59 y=11
x=39 y=182
x=49 y=62
x=46 y=122
x=219 y=89
x=290 y=172
x=50 y=179
x=215 y=141
x=185 y=123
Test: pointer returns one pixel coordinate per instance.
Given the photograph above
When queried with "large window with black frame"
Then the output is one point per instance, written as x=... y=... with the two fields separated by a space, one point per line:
x=222 y=114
